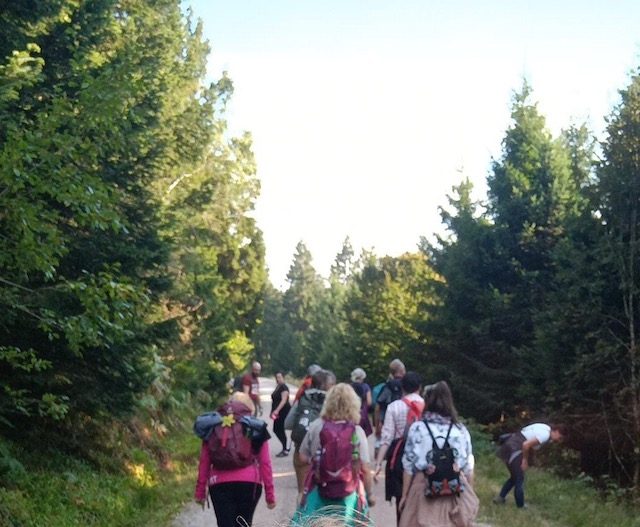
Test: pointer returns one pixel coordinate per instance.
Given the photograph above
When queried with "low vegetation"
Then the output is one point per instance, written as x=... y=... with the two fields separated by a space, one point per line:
x=43 y=489
x=139 y=485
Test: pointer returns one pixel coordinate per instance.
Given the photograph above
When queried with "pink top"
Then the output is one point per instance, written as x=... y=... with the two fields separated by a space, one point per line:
x=259 y=472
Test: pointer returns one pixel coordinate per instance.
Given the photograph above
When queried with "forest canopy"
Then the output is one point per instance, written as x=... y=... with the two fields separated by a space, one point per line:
x=132 y=270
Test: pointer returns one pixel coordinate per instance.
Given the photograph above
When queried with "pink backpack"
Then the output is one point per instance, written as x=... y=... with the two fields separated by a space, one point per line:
x=337 y=467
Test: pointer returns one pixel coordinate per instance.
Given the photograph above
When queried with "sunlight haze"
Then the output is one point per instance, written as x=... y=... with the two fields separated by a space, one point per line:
x=365 y=114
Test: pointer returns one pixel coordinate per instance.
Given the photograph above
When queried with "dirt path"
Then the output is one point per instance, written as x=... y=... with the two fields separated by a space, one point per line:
x=383 y=514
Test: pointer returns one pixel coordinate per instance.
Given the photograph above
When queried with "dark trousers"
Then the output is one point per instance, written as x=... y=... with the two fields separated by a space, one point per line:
x=515 y=482
x=278 y=429
x=234 y=502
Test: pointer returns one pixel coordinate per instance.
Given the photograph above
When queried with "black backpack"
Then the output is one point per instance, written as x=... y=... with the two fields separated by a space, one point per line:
x=444 y=480
x=307 y=411
x=392 y=391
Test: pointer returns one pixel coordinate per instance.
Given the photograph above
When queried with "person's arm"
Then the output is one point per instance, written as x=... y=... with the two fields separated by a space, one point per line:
x=386 y=435
x=365 y=465
x=368 y=399
x=466 y=460
x=383 y=398
x=367 y=480
x=203 y=475
x=376 y=420
x=470 y=474
x=406 y=483
x=407 y=463
x=382 y=452
x=246 y=388
x=526 y=449
x=266 y=475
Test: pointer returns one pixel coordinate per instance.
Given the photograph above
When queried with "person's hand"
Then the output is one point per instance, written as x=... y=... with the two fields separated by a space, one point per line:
x=402 y=503
x=201 y=502
x=377 y=471
x=525 y=464
x=274 y=415
x=271 y=505
x=371 y=500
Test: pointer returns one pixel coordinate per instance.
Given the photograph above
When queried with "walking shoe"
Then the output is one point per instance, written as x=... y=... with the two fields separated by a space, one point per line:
x=499 y=500
x=284 y=453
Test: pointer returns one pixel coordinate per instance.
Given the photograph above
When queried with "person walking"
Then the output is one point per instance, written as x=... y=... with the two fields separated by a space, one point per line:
x=439 y=431
x=306 y=410
x=399 y=416
x=251 y=386
x=236 y=490
x=363 y=390
x=515 y=453
x=339 y=481
x=391 y=391
x=280 y=407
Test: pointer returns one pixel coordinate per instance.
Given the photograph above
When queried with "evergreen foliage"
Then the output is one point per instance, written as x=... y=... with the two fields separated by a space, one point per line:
x=132 y=268
x=129 y=260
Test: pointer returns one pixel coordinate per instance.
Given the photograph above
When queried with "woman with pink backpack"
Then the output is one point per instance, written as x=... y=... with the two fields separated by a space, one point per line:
x=339 y=481
x=234 y=461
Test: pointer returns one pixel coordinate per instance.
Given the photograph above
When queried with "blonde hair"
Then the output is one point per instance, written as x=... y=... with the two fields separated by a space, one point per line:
x=342 y=404
x=243 y=398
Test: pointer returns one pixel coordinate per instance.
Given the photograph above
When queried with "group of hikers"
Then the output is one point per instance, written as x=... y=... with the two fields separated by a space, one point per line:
x=425 y=449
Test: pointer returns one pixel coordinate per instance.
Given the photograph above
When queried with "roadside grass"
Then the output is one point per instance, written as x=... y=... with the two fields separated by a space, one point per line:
x=552 y=501
x=55 y=490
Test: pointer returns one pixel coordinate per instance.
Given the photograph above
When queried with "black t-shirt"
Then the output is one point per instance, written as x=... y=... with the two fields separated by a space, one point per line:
x=276 y=397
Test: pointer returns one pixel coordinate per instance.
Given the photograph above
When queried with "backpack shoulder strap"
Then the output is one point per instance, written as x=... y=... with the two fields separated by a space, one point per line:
x=430 y=432
x=446 y=439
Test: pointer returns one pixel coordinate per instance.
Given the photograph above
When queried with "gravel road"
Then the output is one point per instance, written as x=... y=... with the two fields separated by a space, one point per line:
x=383 y=514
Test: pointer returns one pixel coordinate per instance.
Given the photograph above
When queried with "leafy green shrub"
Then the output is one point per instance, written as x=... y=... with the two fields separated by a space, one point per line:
x=11 y=470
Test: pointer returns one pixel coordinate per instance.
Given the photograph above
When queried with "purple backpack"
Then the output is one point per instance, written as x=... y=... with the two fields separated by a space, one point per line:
x=337 y=469
x=229 y=445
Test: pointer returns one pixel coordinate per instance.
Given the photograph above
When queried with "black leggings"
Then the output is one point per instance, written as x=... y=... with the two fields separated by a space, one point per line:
x=278 y=429
x=235 y=500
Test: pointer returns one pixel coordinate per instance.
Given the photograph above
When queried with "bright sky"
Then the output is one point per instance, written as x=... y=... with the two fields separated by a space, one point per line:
x=365 y=113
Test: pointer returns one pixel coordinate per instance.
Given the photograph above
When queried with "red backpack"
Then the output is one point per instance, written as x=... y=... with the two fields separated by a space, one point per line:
x=337 y=467
x=230 y=443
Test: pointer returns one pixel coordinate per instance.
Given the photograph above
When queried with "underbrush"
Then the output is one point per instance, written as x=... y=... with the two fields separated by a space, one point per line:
x=553 y=501
x=143 y=476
